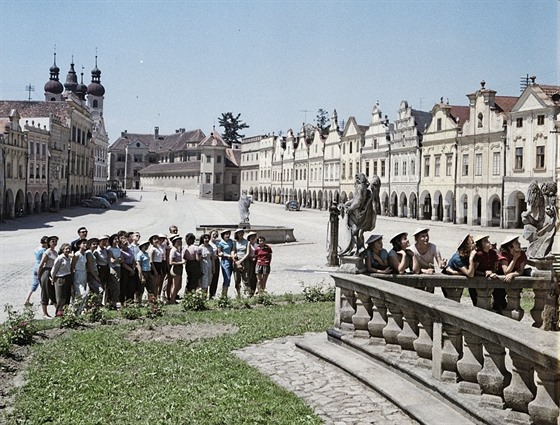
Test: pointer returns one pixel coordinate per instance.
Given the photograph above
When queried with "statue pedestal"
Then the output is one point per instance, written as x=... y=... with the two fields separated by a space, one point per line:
x=244 y=225
x=541 y=264
x=351 y=264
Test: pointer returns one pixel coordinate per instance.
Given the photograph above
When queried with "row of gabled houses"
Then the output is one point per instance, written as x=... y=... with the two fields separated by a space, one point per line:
x=457 y=163
x=53 y=153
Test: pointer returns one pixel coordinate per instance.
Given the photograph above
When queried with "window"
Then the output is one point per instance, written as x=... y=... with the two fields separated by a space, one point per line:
x=37 y=171
x=465 y=167
x=350 y=148
x=219 y=159
x=412 y=167
x=374 y=168
x=540 y=157
x=448 y=164
x=120 y=158
x=375 y=143
x=208 y=177
x=343 y=170
x=382 y=168
x=519 y=122
x=479 y=122
x=437 y=165
x=426 y=166
x=519 y=158
x=404 y=168
x=208 y=158
x=367 y=169
x=135 y=173
x=343 y=148
x=350 y=170
x=396 y=168
x=540 y=119
x=496 y=164
x=438 y=126
x=198 y=155
x=31 y=147
x=478 y=164
x=218 y=178
x=137 y=158
x=234 y=179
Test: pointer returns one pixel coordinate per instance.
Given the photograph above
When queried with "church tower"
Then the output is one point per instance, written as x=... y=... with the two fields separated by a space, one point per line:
x=96 y=91
x=53 y=87
x=71 y=79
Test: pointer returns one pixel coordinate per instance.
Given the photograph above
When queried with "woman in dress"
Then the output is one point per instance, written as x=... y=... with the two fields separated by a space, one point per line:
x=401 y=259
x=38 y=257
x=206 y=254
x=240 y=254
x=192 y=262
x=176 y=263
x=115 y=262
x=44 y=273
x=93 y=279
x=156 y=258
x=376 y=256
x=225 y=248
x=79 y=271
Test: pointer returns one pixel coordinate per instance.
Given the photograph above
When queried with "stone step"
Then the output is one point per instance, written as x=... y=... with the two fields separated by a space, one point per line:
x=421 y=404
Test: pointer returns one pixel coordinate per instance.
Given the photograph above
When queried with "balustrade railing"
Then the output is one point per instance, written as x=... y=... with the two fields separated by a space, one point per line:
x=506 y=364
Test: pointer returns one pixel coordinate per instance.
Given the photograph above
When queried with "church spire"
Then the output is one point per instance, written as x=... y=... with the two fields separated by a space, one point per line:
x=53 y=88
x=71 y=78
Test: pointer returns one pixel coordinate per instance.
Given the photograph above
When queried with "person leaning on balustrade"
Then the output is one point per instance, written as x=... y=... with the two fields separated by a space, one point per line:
x=401 y=259
x=427 y=254
x=486 y=263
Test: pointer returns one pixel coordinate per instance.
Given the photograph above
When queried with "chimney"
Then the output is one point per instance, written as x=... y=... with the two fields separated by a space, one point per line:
x=156 y=132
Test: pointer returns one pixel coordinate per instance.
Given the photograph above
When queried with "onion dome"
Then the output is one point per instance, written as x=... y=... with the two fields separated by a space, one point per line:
x=95 y=88
x=54 y=86
x=71 y=79
x=81 y=88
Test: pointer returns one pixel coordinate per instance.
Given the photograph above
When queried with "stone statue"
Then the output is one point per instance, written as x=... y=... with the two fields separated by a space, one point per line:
x=540 y=218
x=361 y=212
x=243 y=204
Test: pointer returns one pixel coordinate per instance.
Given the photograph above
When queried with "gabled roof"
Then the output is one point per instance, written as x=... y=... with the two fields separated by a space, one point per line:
x=162 y=143
x=213 y=139
x=505 y=103
x=549 y=90
x=461 y=112
x=171 y=167
x=32 y=109
x=233 y=158
x=422 y=118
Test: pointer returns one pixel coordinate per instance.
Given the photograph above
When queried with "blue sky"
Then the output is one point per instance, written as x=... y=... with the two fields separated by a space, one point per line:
x=179 y=64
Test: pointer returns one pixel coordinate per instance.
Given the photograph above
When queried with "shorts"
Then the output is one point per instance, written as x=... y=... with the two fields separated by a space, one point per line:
x=263 y=269
x=158 y=267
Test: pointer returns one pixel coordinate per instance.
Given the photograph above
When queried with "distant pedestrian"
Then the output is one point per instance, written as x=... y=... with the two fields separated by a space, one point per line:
x=175 y=196
x=165 y=197
x=183 y=191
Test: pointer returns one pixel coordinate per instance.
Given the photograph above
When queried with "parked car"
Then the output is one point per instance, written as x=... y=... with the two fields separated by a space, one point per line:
x=112 y=196
x=106 y=197
x=292 y=205
x=96 y=202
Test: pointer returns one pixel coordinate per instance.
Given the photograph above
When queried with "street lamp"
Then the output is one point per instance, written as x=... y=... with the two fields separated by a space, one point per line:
x=68 y=177
x=385 y=123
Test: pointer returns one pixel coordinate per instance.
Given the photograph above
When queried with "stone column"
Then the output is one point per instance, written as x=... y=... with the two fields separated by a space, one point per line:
x=484 y=298
x=362 y=316
x=409 y=331
x=446 y=217
x=470 y=364
x=434 y=212
x=424 y=343
x=522 y=389
x=493 y=377
x=378 y=321
x=450 y=352
x=393 y=328
x=347 y=302
x=513 y=308
x=544 y=408
x=536 y=311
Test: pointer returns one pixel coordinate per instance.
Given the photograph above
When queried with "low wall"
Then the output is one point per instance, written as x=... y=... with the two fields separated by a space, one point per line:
x=502 y=370
x=273 y=234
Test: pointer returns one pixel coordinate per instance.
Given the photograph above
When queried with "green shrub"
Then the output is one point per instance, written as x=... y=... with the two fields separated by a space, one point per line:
x=5 y=341
x=224 y=303
x=289 y=298
x=264 y=299
x=93 y=311
x=154 y=308
x=131 y=311
x=194 y=301
x=20 y=327
x=71 y=319
x=319 y=292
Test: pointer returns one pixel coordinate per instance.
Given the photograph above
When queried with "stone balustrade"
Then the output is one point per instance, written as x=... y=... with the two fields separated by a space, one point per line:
x=501 y=370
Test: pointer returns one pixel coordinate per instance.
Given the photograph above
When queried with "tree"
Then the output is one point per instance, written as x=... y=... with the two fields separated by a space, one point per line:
x=232 y=125
x=322 y=121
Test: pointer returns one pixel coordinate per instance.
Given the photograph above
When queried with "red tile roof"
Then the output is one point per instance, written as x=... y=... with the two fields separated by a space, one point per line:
x=461 y=112
x=163 y=143
x=505 y=103
x=171 y=168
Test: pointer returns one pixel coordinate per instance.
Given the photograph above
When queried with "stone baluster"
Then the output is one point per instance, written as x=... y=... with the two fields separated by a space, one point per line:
x=513 y=308
x=393 y=328
x=454 y=294
x=536 y=311
x=493 y=377
x=452 y=347
x=521 y=390
x=347 y=302
x=470 y=364
x=409 y=331
x=378 y=321
x=424 y=343
x=484 y=298
x=544 y=408
x=362 y=316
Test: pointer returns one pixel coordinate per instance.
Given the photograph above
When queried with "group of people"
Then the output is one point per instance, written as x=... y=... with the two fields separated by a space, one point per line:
x=475 y=256
x=122 y=267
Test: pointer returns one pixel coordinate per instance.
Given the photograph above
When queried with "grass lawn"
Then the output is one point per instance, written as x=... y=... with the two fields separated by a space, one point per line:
x=98 y=376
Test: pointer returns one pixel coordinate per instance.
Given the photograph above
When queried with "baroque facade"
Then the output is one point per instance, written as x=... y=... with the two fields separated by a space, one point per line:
x=63 y=139
x=457 y=163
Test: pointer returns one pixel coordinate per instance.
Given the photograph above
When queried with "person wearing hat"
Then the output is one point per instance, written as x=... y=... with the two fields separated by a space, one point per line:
x=214 y=240
x=376 y=256
x=225 y=248
x=144 y=267
x=35 y=281
x=156 y=258
x=206 y=254
x=427 y=254
x=263 y=255
x=511 y=259
x=168 y=278
x=486 y=263
x=400 y=258
x=240 y=253
x=43 y=271
x=192 y=262
x=93 y=279
x=462 y=261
